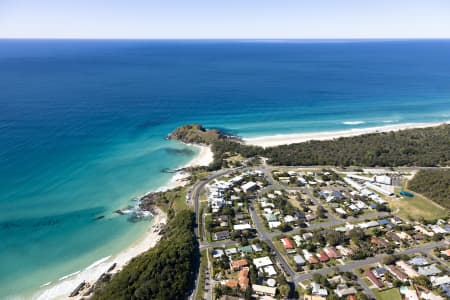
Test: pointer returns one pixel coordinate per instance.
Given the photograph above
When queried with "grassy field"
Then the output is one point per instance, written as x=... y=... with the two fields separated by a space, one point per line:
x=201 y=278
x=391 y=294
x=200 y=219
x=179 y=199
x=416 y=207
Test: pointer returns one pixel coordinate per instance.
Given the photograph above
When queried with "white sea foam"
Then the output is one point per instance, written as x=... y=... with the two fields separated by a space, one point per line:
x=353 y=122
x=69 y=275
x=46 y=284
x=98 y=262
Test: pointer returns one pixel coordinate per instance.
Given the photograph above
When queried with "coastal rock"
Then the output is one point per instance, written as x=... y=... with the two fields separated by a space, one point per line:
x=197 y=134
x=77 y=290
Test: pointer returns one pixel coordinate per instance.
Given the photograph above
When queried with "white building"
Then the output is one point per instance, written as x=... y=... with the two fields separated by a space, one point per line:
x=242 y=226
x=383 y=179
x=264 y=290
x=379 y=189
x=353 y=184
x=262 y=262
x=249 y=186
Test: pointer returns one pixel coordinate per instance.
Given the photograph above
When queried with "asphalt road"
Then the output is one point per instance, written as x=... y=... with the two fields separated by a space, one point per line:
x=267 y=236
x=350 y=266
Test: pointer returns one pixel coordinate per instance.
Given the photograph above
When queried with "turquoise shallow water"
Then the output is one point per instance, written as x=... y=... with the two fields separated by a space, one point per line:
x=82 y=124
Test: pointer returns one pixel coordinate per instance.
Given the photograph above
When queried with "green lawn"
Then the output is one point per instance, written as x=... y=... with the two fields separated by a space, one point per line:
x=417 y=206
x=391 y=294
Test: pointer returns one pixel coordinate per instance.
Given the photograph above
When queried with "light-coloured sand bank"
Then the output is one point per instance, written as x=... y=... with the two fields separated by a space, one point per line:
x=63 y=288
x=180 y=178
x=203 y=158
x=285 y=139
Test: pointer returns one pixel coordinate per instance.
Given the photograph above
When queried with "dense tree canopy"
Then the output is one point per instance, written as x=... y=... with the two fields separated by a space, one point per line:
x=434 y=184
x=164 y=272
x=412 y=147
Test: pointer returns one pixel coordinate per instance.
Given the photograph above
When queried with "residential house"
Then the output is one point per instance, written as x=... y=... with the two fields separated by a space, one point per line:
x=243 y=279
x=257 y=248
x=246 y=249
x=307 y=236
x=217 y=253
x=440 y=280
x=397 y=273
x=418 y=261
x=262 y=262
x=373 y=279
x=423 y=230
x=264 y=290
x=270 y=271
x=407 y=269
x=342 y=290
x=299 y=260
x=245 y=226
x=238 y=264
x=287 y=243
x=317 y=289
x=298 y=240
x=438 y=229
x=430 y=270
x=344 y=250
x=310 y=257
x=404 y=236
x=379 y=272
x=221 y=235
x=230 y=251
x=394 y=237
x=332 y=252
x=323 y=257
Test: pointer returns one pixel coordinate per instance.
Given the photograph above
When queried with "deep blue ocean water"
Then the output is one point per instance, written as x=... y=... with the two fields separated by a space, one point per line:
x=82 y=124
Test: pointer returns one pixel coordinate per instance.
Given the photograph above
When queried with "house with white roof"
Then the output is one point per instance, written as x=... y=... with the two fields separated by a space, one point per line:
x=242 y=226
x=249 y=186
x=262 y=262
x=297 y=239
x=270 y=271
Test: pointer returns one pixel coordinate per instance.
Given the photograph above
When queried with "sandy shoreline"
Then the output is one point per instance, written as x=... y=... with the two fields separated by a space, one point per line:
x=203 y=158
x=285 y=139
x=180 y=178
x=61 y=289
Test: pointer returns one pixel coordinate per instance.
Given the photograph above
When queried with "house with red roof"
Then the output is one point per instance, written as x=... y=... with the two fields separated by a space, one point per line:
x=238 y=264
x=332 y=252
x=243 y=279
x=287 y=243
x=374 y=279
x=323 y=257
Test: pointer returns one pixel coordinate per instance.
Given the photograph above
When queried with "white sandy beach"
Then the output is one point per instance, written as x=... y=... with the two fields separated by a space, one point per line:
x=180 y=178
x=203 y=158
x=62 y=289
x=286 y=139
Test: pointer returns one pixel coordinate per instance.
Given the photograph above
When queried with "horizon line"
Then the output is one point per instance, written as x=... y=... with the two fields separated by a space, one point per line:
x=231 y=39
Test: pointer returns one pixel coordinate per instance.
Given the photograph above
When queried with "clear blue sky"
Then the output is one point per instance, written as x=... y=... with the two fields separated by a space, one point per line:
x=225 y=19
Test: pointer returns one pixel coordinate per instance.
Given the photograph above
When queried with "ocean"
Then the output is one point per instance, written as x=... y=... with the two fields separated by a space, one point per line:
x=83 y=124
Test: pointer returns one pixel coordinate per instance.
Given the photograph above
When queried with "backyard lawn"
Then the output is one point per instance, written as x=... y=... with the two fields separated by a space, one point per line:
x=391 y=294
